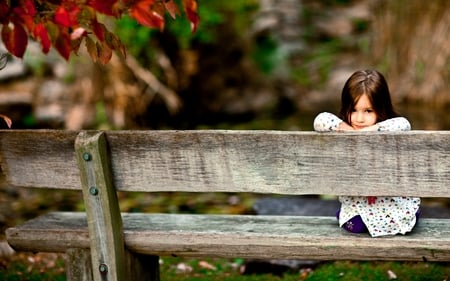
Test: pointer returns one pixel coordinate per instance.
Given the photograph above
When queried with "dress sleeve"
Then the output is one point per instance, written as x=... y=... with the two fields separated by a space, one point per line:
x=394 y=124
x=326 y=122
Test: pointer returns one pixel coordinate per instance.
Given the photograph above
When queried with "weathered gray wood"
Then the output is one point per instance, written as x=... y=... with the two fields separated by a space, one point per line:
x=410 y=164
x=78 y=265
x=263 y=237
x=39 y=158
x=415 y=163
x=102 y=209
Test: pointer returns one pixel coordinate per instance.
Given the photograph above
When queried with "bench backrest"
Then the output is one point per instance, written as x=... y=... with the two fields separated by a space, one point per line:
x=415 y=163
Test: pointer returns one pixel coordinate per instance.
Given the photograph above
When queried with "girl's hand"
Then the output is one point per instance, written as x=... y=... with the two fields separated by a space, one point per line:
x=370 y=128
x=343 y=127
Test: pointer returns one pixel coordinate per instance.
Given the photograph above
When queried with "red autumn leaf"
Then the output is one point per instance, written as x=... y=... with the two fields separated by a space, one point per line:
x=98 y=51
x=99 y=29
x=158 y=7
x=67 y=15
x=62 y=44
x=28 y=7
x=91 y=49
x=15 y=39
x=74 y=11
x=62 y=17
x=106 y=7
x=75 y=44
x=191 y=10
x=104 y=53
x=172 y=8
x=142 y=12
x=41 y=34
x=115 y=44
x=26 y=13
x=7 y=120
x=4 y=11
x=73 y=20
x=24 y=19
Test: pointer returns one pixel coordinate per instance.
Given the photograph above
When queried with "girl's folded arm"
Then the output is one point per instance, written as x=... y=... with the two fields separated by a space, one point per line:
x=394 y=124
x=326 y=122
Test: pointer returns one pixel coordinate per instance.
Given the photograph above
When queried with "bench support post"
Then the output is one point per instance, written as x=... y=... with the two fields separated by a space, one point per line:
x=110 y=260
x=78 y=265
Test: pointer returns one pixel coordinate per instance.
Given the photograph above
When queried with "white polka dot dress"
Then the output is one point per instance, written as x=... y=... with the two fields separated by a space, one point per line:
x=381 y=215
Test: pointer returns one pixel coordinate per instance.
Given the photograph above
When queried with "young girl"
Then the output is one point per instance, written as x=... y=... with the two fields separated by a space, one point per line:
x=366 y=106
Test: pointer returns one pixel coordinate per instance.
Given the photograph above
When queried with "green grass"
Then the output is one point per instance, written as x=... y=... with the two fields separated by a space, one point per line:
x=30 y=267
x=341 y=270
x=380 y=271
x=43 y=267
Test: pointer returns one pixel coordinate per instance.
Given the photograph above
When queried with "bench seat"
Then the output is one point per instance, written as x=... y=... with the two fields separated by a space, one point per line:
x=244 y=236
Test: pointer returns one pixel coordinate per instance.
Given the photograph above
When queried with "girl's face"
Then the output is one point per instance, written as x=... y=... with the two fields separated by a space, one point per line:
x=363 y=115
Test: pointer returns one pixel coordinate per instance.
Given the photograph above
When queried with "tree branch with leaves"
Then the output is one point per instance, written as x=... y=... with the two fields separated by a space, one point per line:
x=67 y=24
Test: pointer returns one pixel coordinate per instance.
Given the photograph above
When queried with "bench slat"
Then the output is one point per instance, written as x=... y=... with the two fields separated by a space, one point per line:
x=271 y=237
x=413 y=163
x=39 y=158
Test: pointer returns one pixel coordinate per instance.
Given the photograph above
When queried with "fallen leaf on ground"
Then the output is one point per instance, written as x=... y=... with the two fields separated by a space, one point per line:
x=206 y=265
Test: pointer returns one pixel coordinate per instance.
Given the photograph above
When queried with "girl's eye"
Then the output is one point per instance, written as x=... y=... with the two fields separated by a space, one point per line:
x=369 y=110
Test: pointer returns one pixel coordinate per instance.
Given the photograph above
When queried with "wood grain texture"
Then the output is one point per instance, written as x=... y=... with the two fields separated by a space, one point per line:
x=264 y=237
x=415 y=163
x=39 y=158
x=78 y=264
x=102 y=208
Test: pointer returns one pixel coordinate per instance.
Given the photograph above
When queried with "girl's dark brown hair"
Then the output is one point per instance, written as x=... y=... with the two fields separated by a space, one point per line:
x=372 y=84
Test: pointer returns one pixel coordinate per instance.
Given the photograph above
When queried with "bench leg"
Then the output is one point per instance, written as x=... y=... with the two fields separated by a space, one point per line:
x=143 y=267
x=78 y=265
x=140 y=267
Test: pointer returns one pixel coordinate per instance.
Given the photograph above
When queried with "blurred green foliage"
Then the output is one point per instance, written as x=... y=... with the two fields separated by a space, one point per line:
x=320 y=60
x=236 y=16
x=233 y=14
x=266 y=54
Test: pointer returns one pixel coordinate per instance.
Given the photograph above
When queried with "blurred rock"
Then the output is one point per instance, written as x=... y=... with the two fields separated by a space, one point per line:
x=296 y=206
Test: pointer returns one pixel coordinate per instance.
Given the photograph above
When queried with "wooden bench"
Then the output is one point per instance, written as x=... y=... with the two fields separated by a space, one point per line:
x=103 y=244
